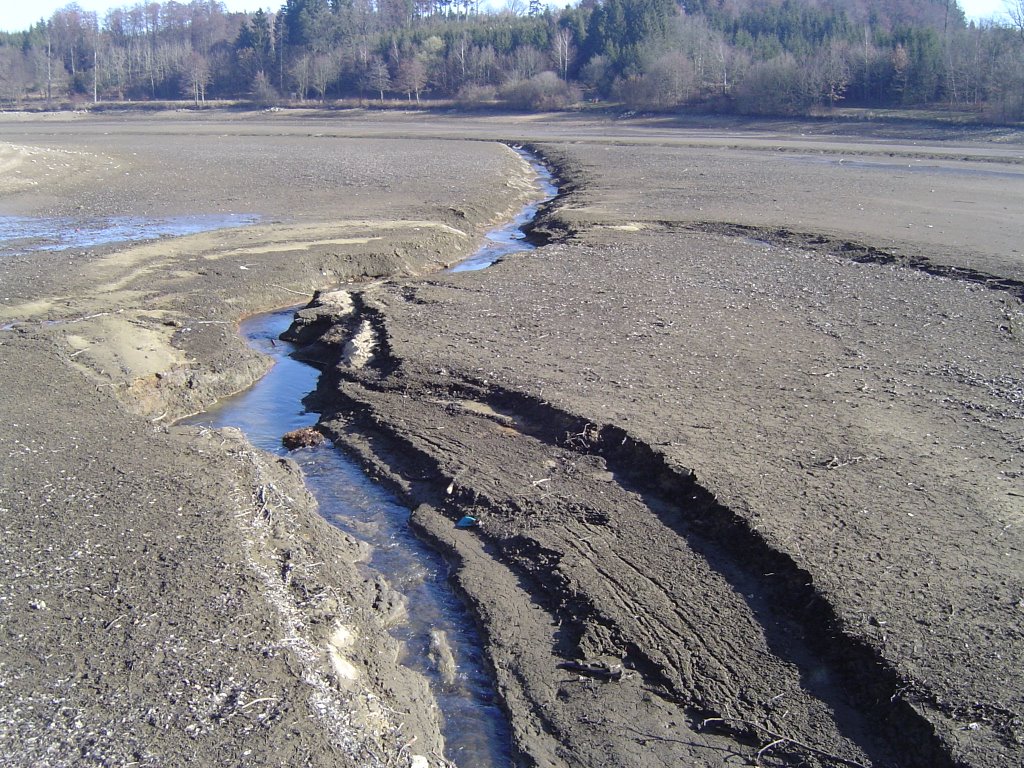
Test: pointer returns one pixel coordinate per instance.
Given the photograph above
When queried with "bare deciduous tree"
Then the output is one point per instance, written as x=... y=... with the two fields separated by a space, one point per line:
x=525 y=62
x=302 y=74
x=563 y=51
x=14 y=75
x=830 y=71
x=324 y=68
x=515 y=7
x=196 y=76
x=412 y=76
x=263 y=90
x=378 y=78
x=1015 y=12
x=778 y=86
x=668 y=80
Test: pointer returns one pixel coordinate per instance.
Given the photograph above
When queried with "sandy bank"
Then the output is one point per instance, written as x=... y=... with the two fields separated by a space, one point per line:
x=174 y=597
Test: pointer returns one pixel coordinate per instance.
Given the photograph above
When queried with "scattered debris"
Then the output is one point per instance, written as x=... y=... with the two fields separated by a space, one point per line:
x=601 y=670
x=777 y=739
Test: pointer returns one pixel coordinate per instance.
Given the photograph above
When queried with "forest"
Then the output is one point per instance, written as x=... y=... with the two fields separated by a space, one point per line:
x=763 y=57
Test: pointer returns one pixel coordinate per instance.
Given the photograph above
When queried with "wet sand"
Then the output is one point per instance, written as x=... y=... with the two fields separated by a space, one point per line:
x=727 y=430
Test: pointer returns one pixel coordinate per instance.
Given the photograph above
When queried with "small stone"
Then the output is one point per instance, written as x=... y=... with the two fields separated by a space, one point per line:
x=37 y=605
x=306 y=437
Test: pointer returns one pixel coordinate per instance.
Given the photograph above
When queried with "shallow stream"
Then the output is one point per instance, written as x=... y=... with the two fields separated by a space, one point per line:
x=511 y=237
x=475 y=728
x=476 y=732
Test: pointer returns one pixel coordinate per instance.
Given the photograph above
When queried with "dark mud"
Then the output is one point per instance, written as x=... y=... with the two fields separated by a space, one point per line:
x=860 y=252
x=606 y=540
x=648 y=571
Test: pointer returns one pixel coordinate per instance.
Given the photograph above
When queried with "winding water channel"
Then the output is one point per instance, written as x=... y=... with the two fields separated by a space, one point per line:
x=475 y=729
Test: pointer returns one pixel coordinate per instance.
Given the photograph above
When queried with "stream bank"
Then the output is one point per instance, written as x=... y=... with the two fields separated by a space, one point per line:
x=644 y=599
x=174 y=598
x=403 y=627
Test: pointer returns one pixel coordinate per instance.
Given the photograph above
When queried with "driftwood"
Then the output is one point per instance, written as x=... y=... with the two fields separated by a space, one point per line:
x=306 y=437
x=597 y=669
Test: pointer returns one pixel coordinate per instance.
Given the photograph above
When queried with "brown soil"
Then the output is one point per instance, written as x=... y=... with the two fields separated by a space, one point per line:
x=749 y=426
x=171 y=596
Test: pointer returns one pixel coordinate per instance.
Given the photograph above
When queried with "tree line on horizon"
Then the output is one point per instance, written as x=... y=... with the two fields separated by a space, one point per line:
x=769 y=57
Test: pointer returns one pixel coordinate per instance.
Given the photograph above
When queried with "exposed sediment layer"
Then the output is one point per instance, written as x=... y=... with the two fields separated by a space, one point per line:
x=173 y=597
x=599 y=546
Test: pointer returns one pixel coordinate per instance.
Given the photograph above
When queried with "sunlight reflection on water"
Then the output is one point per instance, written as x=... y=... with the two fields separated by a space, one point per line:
x=20 y=235
x=510 y=238
x=476 y=731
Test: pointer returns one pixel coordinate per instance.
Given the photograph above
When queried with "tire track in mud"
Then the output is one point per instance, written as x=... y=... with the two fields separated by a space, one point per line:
x=787 y=605
x=591 y=545
x=553 y=230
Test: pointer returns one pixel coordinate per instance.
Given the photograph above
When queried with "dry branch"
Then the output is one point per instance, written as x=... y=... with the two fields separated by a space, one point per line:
x=778 y=738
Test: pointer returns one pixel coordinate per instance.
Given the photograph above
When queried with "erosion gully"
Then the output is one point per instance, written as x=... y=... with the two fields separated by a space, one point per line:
x=475 y=728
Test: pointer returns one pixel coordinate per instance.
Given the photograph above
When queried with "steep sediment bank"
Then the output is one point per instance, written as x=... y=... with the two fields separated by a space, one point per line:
x=717 y=516
x=174 y=597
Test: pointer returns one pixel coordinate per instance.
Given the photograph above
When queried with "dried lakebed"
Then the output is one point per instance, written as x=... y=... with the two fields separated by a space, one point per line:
x=859 y=418
x=174 y=598
x=631 y=616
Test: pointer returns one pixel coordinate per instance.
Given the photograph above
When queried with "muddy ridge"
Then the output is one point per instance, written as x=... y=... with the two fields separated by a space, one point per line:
x=747 y=655
x=859 y=252
x=800 y=627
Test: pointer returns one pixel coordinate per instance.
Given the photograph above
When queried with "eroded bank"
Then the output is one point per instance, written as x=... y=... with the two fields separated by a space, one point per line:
x=680 y=449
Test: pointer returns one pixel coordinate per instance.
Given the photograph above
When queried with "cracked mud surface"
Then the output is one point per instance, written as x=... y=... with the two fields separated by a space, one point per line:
x=717 y=432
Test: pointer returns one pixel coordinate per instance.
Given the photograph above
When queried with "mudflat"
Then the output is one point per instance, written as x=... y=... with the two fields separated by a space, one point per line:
x=743 y=439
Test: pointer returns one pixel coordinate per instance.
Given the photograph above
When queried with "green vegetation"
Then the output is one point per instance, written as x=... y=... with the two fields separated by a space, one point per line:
x=748 y=56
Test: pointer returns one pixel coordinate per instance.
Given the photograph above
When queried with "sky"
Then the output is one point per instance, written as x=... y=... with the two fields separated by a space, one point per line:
x=19 y=15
